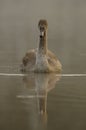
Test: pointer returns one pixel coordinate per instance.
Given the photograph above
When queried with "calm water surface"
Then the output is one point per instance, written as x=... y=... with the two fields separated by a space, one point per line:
x=43 y=101
x=40 y=101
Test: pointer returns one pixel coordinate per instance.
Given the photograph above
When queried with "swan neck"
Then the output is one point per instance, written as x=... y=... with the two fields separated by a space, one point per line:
x=43 y=44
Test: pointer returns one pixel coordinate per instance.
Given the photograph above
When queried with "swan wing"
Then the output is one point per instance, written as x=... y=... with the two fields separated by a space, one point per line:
x=30 y=57
x=54 y=61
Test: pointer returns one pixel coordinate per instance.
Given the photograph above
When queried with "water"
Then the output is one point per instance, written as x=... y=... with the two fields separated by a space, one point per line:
x=43 y=101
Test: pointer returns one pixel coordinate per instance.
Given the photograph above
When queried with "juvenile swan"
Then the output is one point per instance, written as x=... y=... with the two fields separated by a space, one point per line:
x=41 y=59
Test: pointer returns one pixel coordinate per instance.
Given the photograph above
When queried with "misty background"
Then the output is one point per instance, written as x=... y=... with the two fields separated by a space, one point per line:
x=66 y=30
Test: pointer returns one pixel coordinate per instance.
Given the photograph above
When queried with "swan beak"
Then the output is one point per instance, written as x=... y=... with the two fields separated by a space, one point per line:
x=41 y=33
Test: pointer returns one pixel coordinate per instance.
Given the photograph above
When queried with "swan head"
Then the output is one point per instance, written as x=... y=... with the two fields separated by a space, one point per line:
x=42 y=25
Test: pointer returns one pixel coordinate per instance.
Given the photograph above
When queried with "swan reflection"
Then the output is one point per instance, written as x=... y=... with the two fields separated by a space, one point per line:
x=38 y=86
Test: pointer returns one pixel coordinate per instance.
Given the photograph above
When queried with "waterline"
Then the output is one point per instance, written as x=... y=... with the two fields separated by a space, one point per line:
x=63 y=75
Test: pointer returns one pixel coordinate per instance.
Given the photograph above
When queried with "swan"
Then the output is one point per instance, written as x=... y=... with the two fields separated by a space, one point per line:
x=41 y=59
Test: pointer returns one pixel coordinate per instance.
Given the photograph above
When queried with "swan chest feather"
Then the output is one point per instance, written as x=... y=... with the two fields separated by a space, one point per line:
x=41 y=62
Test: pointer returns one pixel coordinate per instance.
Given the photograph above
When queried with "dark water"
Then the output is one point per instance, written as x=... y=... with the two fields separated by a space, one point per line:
x=43 y=101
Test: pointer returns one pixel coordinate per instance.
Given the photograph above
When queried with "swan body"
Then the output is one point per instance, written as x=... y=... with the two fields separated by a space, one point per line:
x=41 y=59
